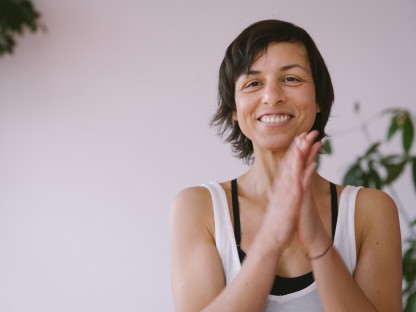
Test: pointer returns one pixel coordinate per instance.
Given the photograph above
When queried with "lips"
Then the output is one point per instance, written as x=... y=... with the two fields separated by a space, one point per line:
x=275 y=118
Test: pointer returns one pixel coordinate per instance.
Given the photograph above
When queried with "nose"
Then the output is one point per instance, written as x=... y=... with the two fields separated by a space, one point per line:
x=273 y=94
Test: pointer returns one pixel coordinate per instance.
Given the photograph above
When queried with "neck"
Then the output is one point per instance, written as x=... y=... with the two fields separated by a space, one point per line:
x=258 y=180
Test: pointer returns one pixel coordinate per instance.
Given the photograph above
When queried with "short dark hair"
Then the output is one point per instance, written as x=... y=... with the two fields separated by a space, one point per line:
x=240 y=56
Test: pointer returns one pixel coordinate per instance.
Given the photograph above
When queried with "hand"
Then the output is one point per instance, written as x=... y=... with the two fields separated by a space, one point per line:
x=286 y=194
x=310 y=228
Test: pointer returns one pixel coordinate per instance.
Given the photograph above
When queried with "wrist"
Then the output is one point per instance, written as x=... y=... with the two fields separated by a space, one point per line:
x=319 y=244
x=315 y=257
x=267 y=245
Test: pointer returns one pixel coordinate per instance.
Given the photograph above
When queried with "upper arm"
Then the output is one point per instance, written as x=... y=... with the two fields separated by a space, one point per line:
x=196 y=272
x=379 y=268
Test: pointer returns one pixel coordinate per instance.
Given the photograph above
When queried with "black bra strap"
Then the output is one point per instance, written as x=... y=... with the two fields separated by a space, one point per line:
x=236 y=213
x=334 y=208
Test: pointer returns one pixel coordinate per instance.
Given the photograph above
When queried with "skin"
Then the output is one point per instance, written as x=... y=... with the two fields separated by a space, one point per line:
x=284 y=209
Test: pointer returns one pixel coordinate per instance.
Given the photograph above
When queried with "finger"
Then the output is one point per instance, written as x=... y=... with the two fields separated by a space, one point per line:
x=291 y=169
x=313 y=152
x=306 y=140
x=311 y=136
x=308 y=173
x=294 y=163
x=303 y=144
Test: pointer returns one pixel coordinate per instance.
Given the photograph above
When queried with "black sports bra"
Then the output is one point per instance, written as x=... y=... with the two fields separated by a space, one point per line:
x=282 y=285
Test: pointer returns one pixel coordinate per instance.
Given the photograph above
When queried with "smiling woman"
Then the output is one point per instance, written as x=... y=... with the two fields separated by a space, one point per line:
x=281 y=75
x=280 y=237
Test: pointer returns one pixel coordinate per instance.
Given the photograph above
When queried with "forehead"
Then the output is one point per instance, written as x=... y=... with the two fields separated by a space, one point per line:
x=282 y=52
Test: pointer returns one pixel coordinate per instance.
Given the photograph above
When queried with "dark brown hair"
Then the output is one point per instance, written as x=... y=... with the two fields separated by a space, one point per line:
x=238 y=59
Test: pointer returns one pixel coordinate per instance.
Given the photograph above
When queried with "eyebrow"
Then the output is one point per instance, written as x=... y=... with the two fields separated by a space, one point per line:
x=284 y=68
x=290 y=66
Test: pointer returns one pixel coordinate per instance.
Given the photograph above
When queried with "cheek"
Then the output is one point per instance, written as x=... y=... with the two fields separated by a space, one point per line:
x=307 y=101
x=240 y=106
x=245 y=103
x=243 y=115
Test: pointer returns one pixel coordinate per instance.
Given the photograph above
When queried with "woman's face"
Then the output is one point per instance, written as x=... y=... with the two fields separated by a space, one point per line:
x=275 y=100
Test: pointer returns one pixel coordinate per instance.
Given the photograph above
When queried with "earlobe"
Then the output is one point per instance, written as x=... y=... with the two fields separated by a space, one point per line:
x=318 y=108
x=234 y=116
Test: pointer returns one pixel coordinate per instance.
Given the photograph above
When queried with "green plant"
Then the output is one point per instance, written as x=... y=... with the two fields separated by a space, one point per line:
x=373 y=168
x=16 y=16
x=409 y=271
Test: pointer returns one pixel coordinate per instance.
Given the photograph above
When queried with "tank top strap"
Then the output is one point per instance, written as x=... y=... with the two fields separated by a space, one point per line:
x=236 y=212
x=334 y=208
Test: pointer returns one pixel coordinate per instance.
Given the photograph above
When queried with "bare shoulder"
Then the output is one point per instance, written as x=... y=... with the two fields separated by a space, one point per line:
x=192 y=206
x=376 y=216
x=370 y=195
x=375 y=206
x=192 y=199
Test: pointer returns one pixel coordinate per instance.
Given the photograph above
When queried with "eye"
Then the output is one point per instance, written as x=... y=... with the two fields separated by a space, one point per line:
x=291 y=79
x=253 y=84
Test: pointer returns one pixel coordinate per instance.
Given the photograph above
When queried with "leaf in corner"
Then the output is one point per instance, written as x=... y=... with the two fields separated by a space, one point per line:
x=411 y=303
x=408 y=133
x=409 y=264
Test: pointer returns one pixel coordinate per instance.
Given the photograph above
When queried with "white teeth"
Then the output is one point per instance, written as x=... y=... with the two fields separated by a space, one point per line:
x=274 y=118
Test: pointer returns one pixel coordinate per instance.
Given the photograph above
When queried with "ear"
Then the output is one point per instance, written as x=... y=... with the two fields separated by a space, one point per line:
x=234 y=116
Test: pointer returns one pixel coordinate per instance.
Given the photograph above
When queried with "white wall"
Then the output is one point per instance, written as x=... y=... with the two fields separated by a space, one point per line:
x=104 y=118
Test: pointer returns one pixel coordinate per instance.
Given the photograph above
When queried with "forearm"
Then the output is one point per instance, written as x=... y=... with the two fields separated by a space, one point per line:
x=250 y=288
x=337 y=289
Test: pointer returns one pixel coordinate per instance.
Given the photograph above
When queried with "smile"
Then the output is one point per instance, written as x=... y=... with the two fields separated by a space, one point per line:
x=275 y=118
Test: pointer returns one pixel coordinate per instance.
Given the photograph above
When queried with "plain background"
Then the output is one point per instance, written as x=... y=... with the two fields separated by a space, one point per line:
x=105 y=117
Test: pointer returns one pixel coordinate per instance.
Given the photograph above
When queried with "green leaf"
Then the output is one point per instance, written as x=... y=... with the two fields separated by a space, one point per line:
x=353 y=176
x=393 y=172
x=414 y=171
x=394 y=125
x=409 y=265
x=408 y=133
x=394 y=166
x=327 y=147
x=373 y=148
x=16 y=17
x=411 y=303
x=365 y=179
x=374 y=179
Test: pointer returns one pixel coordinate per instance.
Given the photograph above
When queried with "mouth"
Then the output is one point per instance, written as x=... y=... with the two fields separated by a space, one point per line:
x=275 y=119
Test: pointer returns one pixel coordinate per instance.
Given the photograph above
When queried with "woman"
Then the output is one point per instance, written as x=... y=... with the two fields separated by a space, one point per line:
x=280 y=237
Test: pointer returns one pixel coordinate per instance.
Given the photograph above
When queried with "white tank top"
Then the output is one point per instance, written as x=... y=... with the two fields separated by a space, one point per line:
x=306 y=299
